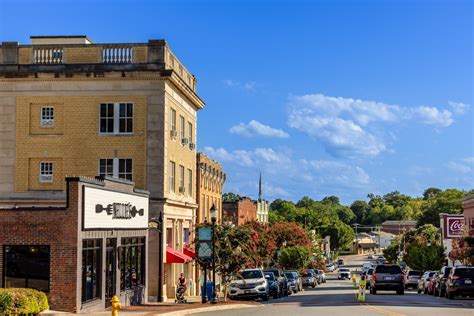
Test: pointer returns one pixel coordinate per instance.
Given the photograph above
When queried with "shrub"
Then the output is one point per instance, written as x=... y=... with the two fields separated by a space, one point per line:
x=19 y=301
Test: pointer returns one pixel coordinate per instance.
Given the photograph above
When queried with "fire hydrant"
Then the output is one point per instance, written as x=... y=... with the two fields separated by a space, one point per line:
x=116 y=306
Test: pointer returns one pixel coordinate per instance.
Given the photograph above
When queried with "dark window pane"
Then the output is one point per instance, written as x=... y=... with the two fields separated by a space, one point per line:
x=122 y=126
x=103 y=110
x=121 y=165
x=129 y=165
x=130 y=110
x=122 y=110
x=110 y=110
x=129 y=125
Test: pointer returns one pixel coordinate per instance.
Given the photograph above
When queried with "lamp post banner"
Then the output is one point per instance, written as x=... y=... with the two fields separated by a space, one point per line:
x=453 y=226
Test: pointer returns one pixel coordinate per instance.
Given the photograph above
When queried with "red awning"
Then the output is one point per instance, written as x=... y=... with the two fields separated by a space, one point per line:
x=174 y=256
x=188 y=251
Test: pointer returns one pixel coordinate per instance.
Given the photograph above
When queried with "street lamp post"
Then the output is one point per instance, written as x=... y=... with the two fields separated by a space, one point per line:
x=213 y=214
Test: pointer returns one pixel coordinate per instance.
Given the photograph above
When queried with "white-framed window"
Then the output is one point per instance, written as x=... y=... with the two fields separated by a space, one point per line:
x=181 y=127
x=47 y=116
x=116 y=167
x=190 y=132
x=116 y=118
x=125 y=169
x=46 y=172
x=172 y=175
x=190 y=182
x=181 y=179
x=173 y=120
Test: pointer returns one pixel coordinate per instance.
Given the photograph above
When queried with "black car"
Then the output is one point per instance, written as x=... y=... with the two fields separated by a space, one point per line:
x=273 y=284
x=441 y=278
x=388 y=277
x=281 y=280
x=460 y=282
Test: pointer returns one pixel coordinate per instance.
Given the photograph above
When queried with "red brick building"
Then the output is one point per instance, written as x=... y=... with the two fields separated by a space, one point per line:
x=239 y=212
x=397 y=227
x=468 y=206
x=83 y=253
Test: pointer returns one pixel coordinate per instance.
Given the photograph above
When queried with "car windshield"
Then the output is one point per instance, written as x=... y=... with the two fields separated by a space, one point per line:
x=431 y=274
x=289 y=275
x=464 y=272
x=370 y=271
x=271 y=276
x=412 y=272
x=388 y=269
x=307 y=274
x=343 y=270
x=251 y=274
x=275 y=272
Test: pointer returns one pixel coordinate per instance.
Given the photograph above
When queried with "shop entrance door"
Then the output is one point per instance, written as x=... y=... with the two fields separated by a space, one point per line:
x=111 y=270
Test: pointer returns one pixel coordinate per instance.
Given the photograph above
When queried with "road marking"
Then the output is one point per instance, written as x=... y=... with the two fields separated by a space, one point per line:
x=381 y=310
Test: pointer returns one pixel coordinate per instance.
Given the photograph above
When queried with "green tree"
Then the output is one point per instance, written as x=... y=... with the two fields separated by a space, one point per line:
x=396 y=199
x=424 y=257
x=294 y=258
x=391 y=252
x=447 y=201
x=431 y=193
x=230 y=197
x=341 y=235
x=360 y=209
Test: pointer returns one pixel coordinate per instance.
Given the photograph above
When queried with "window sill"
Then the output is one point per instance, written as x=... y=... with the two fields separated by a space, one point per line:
x=116 y=134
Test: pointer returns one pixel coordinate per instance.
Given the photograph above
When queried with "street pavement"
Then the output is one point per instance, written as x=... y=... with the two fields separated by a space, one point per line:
x=338 y=297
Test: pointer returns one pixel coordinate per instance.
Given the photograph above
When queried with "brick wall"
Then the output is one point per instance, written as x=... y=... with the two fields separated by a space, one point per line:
x=240 y=212
x=56 y=228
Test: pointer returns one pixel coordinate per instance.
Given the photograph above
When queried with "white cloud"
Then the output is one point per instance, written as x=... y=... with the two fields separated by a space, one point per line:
x=346 y=126
x=248 y=85
x=337 y=172
x=459 y=107
x=432 y=115
x=255 y=128
x=462 y=166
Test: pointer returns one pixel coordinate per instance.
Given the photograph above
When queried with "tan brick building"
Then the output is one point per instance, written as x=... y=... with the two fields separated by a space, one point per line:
x=129 y=110
x=210 y=182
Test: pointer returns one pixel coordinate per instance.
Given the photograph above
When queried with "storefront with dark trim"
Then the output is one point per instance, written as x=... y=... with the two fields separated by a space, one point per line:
x=81 y=254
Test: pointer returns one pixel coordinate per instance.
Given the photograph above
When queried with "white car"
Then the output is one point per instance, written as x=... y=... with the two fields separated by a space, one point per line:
x=330 y=267
x=251 y=284
x=344 y=273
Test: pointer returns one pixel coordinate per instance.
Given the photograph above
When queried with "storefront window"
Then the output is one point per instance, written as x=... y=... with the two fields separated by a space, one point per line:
x=27 y=266
x=91 y=269
x=132 y=262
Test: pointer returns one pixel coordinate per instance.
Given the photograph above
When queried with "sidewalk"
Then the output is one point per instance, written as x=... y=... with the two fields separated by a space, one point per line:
x=193 y=306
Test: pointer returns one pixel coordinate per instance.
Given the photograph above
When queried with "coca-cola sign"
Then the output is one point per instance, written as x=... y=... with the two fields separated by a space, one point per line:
x=453 y=226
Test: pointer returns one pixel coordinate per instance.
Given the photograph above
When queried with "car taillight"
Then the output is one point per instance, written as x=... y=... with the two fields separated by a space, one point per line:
x=373 y=276
x=455 y=277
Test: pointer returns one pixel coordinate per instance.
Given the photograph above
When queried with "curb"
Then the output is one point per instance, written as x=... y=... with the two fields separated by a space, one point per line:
x=208 y=309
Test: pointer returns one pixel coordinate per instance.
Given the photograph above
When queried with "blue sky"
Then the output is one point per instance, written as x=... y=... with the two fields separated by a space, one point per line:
x=323 y=97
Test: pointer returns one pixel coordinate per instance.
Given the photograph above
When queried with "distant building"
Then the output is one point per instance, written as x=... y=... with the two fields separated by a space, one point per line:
x=239 y=212
x=210 y=181
x=263 y=206
x=382 y=239
x=397 y=227
x=468 y=206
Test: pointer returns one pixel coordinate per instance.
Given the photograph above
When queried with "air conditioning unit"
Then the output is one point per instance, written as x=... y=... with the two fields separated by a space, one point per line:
x=192 y=146
x=46 y=178
x=181 y=190
x=184 y=141
x=47 y=123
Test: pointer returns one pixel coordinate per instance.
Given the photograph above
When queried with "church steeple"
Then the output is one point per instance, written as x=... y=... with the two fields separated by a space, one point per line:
x=260 y=187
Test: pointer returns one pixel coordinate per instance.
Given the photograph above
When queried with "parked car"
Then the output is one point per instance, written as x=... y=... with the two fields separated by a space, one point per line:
x=460 y=282
x=340 y=262
x=318 y=276
x=366 y=266
x=323 y=276
x=371 y=256
x=388 y=277
x=274 y=285
x=309 y=279
x=441 y=278
x=252 y=284
x=292 y=281
x=368 y=277
x=423 y=282
x=330 y=267
x=344 y=273
x=299 y=279
x=411 y=278
x=281 y=279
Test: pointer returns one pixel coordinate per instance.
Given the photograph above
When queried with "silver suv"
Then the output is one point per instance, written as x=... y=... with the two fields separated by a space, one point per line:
x=251 y=284
x=388 y=277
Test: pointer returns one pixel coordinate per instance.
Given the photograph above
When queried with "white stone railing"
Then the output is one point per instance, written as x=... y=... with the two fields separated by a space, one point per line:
x=48 y=55
x=117 y=55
